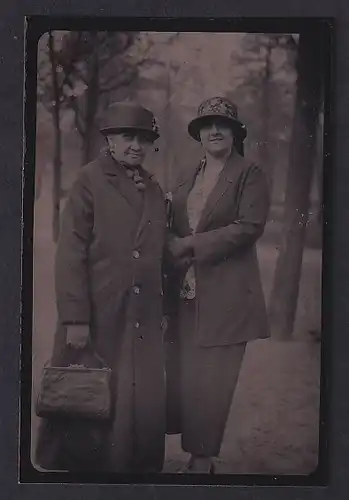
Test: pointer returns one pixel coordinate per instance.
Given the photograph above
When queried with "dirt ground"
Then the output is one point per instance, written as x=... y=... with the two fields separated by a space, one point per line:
x=273 y=423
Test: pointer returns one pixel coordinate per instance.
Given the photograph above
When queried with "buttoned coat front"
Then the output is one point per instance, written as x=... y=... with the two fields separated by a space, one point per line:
x=108 y=275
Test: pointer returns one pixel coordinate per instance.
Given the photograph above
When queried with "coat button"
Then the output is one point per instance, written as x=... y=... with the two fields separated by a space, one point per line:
x=137 y=325
x=136 y=254
x=136 y=290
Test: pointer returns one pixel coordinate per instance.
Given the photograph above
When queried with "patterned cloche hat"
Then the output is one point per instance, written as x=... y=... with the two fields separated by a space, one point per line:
x=224 y=109
x=129 y=116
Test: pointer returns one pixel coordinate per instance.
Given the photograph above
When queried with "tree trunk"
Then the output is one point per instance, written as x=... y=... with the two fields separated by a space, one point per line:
x=319 y=168
x=264 y=149
x=167 y=182
x=315 y=228
x=91 y=107
x=57 y=159
x=284 y=295
x=313 y=326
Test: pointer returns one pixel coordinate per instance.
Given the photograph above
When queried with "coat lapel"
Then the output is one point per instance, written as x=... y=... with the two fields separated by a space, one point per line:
x=180 y=197
x=117 y=178
x=228 y=176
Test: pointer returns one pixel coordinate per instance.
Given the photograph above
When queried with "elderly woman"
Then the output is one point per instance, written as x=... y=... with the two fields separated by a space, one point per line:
x=109 y=296
x=218 y=213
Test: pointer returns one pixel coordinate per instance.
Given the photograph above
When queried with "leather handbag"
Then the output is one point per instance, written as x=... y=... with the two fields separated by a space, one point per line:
x=76 y=391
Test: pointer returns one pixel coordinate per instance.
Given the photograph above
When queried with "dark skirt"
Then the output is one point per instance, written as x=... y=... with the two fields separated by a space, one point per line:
x=208 y=377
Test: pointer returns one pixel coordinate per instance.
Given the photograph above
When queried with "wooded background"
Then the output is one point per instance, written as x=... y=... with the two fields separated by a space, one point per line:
x=277 y=82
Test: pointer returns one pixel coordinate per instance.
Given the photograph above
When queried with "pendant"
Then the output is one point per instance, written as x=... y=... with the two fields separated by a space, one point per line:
x=140 y=186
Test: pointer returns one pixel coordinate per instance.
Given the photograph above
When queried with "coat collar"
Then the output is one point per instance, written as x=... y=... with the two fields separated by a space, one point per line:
x=146 y=205
x=113 y=168
x=117 y=177
x=228 y=176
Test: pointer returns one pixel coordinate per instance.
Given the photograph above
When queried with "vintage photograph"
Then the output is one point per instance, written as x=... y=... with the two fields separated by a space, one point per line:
x=177 y=252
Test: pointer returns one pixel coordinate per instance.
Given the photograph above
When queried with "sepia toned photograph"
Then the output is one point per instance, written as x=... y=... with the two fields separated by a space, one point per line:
x=178 y=220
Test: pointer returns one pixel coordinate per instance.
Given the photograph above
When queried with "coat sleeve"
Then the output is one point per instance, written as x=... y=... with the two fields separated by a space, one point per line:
x=71 y=272
x=253 y=207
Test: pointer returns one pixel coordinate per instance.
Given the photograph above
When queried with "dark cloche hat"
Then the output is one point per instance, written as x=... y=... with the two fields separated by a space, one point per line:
x=129 y=116
x=218 y=107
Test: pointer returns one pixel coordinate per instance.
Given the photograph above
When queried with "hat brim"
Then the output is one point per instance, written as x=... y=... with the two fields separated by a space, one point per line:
x=112 y=130
x=198 y=123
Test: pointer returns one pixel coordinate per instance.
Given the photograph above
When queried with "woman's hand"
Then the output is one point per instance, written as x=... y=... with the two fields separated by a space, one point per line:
x=181 y=247
x=181 y=251
x=78 y=336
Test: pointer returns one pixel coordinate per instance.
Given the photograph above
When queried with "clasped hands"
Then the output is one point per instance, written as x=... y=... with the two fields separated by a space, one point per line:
x=181 y=250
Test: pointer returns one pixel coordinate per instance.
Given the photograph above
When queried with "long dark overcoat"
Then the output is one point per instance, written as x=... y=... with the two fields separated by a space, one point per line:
x=229 y=296
x=108 y=274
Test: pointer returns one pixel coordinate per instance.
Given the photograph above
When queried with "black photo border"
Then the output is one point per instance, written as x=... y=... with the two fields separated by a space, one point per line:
x=335 y=248
x=35 y=28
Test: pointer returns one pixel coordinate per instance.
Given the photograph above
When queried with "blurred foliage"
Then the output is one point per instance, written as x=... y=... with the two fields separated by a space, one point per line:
x=90 y=65
x=172 y=73
x=116 y=63
x=265 y=89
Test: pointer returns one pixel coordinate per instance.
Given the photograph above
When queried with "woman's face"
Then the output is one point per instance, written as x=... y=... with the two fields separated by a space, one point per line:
x=217 y=138
x=129 y=147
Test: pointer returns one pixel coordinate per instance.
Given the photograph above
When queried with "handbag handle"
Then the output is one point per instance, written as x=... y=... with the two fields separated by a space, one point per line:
x=94 y=353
